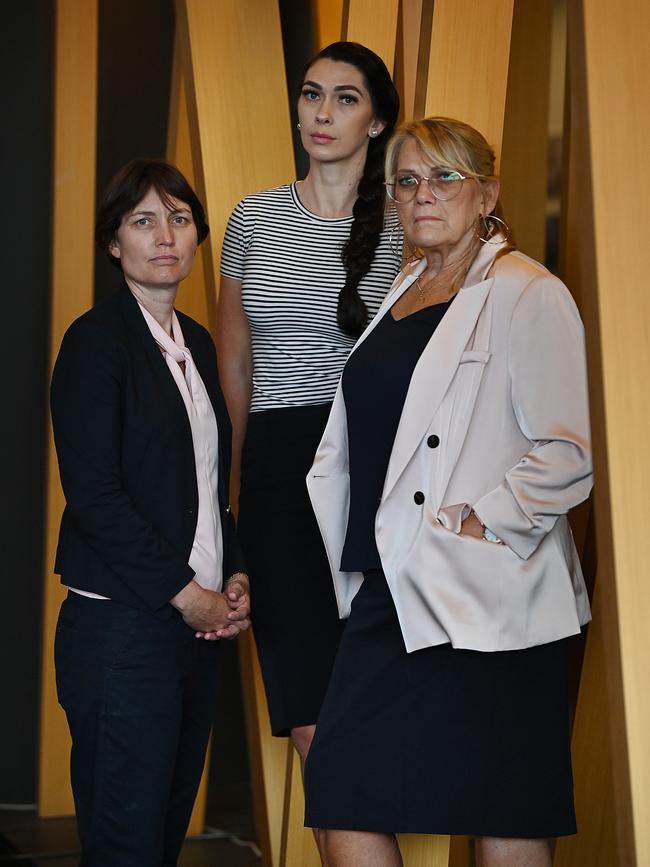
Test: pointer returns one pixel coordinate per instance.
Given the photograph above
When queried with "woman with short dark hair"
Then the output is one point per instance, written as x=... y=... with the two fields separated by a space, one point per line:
x=143 y=441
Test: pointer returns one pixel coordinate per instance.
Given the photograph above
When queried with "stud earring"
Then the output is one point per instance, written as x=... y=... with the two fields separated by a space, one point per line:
x=374 y=132
x=298 y=126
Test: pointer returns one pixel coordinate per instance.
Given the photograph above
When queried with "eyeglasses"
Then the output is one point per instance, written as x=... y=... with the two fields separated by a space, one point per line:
x=445 y=184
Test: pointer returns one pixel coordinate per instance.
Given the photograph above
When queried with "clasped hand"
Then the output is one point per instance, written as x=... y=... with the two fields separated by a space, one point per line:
x=212 y=614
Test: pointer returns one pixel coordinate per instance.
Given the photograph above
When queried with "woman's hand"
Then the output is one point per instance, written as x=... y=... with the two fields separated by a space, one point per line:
x=471 y=526
x=237 y=596
x=205 y=610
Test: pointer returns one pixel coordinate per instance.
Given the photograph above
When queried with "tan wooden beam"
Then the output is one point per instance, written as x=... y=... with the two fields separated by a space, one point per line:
x=72 y=289
x=468 y=64
x=374 y=24
x=606 y=237
x=240 y=141
x=525 y=136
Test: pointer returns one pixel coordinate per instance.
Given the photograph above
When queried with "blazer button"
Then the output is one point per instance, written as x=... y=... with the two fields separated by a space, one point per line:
x=418 y=496
x=433 y=441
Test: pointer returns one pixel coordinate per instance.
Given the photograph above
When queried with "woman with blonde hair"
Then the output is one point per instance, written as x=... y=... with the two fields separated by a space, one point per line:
x=457 y=443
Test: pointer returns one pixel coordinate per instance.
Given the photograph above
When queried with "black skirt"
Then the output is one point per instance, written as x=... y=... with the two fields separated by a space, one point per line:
x=439 y=741
x=295 y=619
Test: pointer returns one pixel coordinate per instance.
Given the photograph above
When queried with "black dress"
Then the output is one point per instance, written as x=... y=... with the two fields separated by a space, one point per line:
x=438 y=741
x=285 y=553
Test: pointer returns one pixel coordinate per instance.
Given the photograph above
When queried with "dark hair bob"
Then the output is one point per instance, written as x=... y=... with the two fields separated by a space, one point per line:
x=130 y=185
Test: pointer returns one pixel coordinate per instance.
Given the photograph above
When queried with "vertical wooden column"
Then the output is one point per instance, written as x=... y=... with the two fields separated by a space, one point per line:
x=196 y=295
x=407 y=54
x=327 y=15
x=374 y=24
x=608 y=60
x=75 y=107
x=239 y=141
x=468 y=64
x=525 y=137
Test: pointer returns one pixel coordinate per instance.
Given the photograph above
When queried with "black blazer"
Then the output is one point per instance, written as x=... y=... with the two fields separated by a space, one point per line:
x=126 y=458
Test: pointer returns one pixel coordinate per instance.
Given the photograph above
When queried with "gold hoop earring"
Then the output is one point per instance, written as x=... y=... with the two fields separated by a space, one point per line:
x=396 y=248
x=495 y=229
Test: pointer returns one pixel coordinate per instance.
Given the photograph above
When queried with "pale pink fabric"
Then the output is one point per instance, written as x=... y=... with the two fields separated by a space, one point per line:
x=206 y=556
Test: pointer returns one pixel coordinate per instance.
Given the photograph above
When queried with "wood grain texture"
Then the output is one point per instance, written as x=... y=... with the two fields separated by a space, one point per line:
x=75 y=112
x=525 y=135
x=608 y=58
x=374 y=24
x=237 y=99
x=420 y=850
x=408 y=49
x=328 y=18
x=269 y=758
x=298 y=844
x=195 y=296
x=468 y=64
x=240 y=142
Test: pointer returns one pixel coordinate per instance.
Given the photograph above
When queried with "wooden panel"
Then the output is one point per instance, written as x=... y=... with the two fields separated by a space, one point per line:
x=525 y=136
x=408 y=50
x=608 y=57
x=374 y=24
x=327 y=15
x=269 y=758
x=596 y=841
x=468 y=64
x=244 y=128
x=424 y=851
x=298 y=844
x=196 y=295
x=75 y=107
x=240 y=142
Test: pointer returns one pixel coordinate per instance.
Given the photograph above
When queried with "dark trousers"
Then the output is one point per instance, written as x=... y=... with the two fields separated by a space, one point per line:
x=139 y=695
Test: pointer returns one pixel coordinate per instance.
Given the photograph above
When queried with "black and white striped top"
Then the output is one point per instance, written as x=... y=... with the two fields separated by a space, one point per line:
x=289 y=263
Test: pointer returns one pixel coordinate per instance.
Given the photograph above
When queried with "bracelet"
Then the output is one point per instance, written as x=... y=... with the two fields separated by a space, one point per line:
x=489 y=536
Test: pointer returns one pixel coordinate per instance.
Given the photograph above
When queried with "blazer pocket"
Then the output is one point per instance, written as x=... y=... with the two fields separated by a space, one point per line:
x=479 y=355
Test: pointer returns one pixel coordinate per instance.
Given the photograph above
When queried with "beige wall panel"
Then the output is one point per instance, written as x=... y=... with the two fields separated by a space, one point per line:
x=616 y=54
x=525 y=134
x=374 y=24
x=75 y=102
x=468 y=64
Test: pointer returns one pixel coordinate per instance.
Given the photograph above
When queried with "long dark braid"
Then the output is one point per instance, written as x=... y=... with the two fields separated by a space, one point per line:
x=359 y=250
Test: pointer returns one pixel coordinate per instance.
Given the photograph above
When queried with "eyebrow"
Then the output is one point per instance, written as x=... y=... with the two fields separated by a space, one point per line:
x=154 y=213
x=337 y=89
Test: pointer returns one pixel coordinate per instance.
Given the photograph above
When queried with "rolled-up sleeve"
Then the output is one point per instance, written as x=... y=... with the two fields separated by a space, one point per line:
x=547 y=367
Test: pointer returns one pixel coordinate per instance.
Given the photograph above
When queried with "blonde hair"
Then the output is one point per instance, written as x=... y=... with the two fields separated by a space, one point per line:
x=455 y=145
x=446 y=142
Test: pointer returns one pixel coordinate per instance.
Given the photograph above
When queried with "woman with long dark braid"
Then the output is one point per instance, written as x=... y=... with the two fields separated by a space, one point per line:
x=304 y=268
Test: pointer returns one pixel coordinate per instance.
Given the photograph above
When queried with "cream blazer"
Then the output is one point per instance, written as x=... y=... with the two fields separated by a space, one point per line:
x=502 y=385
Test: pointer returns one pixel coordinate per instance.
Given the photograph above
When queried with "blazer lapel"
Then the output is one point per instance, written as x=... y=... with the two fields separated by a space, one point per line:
x=439 y=362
